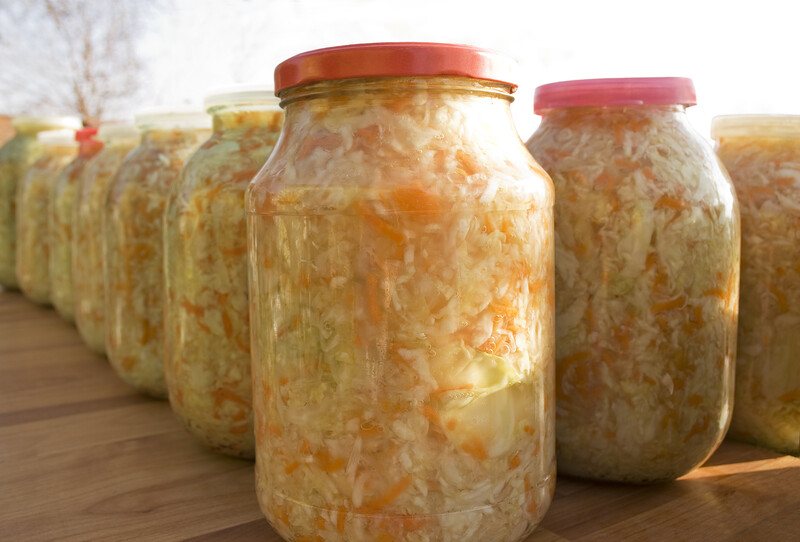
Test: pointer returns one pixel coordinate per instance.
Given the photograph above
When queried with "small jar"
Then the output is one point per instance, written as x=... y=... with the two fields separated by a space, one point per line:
x=401 y=281
x=647 y=275
x=207 y=342
x=762 y=155
x=34 y=194
x=16 y=156
x=133 y=244
x=87 y=242
x=61 y=215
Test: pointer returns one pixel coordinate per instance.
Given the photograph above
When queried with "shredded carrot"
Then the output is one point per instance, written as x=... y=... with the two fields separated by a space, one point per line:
x=319 y=521
x=431 y=414
x=291 y=467
x=389 y=496
x=446 y=389
x=467 y=162
x=327 y=462
x=668 y=202
x=412 y=199
x=474 y=446
x=791 y=396
x=377 y=223
x=698 y=428
x=672 y=304
x=514 y=461
x=341 y=516
x=221 y=395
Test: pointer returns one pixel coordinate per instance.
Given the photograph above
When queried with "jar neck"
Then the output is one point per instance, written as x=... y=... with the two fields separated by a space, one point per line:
x=428 y=101
x=252 y=117
x=172 y=137
x=610 y=116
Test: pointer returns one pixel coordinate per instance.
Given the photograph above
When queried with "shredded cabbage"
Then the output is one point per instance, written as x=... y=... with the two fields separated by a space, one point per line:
x=647 y=275
x=33 y=233
x=61 y=214
x=207 y=347
x=87 y=247
x=133 y=255
x=402 y=298
x=766 y=174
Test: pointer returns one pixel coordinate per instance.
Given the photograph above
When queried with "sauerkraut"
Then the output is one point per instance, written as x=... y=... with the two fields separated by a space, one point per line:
x=762 y=155
x=647 y=275
x=207 y=346
x=87 y=248
x=16 y=156
x=34 y=192
x=401 y=261
x=133 y=245
x=61 y=215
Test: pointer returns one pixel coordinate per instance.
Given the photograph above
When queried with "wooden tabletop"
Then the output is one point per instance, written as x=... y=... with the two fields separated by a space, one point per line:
x=82 y=457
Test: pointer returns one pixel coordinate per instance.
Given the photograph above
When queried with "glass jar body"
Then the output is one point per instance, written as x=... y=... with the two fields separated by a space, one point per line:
x=133 y=262
x=766 y=175
x=16 y=157
x=87 y=243
x=207 y=335
x=61 y=215
x=647 y=274
x=34 y=196
x=401 y=261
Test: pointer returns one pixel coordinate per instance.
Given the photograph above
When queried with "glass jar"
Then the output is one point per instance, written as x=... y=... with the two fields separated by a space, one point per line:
x=58 y=148
x=61 y=215
x=87 y=243
x=207 y=343
x=133 y=260
x=16 y=156
x=401 y=275
x=647 y=275
x=762 y=155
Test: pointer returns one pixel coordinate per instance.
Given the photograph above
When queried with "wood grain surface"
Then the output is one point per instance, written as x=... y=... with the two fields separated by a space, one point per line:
x=84 y=458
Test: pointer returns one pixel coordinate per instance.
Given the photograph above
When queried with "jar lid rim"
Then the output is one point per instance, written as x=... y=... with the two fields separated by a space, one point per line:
x=615 y=92
x=395 y=59
x=243 y=95
x=755 y=125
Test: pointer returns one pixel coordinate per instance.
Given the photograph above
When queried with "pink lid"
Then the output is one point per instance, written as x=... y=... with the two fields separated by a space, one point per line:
x=615 y=92
x=401 y=59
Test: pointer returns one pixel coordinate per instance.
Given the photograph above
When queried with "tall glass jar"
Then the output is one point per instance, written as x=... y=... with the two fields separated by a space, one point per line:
x=762 y=155
x=58 y=148
x=401 y=274
x=87 y=243
x=647 y=275
x=16 y=156
x=61 y=214
x=133 y=239
x=207 y=343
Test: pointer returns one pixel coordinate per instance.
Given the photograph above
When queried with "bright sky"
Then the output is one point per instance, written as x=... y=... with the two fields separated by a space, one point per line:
x=741 y=55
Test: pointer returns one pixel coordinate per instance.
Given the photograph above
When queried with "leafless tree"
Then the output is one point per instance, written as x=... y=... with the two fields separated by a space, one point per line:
x=74 y=56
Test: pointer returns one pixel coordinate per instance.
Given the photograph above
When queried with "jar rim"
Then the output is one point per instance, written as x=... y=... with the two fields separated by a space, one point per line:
x=53 y=122
x=240 y=95
x=57 y=138
x=755 y=125
x=614 y=92
x=172 y=118
x=394 y=59
x=117 y=130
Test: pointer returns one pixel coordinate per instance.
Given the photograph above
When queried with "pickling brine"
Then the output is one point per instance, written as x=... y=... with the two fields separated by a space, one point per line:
x=34 y=194
x=133 y=239
x=647 y=275
x=207 y=336
x=401 y=273
x=87 y=242
x=16 y=157
x=63 y=202
x=762 y=155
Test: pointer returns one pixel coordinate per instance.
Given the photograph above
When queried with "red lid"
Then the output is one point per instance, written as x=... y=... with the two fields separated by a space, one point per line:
x=615 y=92
x=394 y=60
x=85 y=134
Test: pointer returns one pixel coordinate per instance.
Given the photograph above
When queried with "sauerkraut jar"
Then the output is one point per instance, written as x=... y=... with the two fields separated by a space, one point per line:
x=207 y=343
x=133 y=260
x=762 y=155
x=87 y=242
x=647 y=275
x=61 y=216
x=401 y=273
x=16 y=156
x=58 y=148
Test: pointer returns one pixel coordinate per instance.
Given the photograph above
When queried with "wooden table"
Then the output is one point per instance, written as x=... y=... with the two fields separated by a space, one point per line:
x=82 y=457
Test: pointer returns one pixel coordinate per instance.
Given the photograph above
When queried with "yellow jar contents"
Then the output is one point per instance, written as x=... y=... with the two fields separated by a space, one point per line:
x=401 y=261
x=207 y=335
x=762 y=155
x=133 y=246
